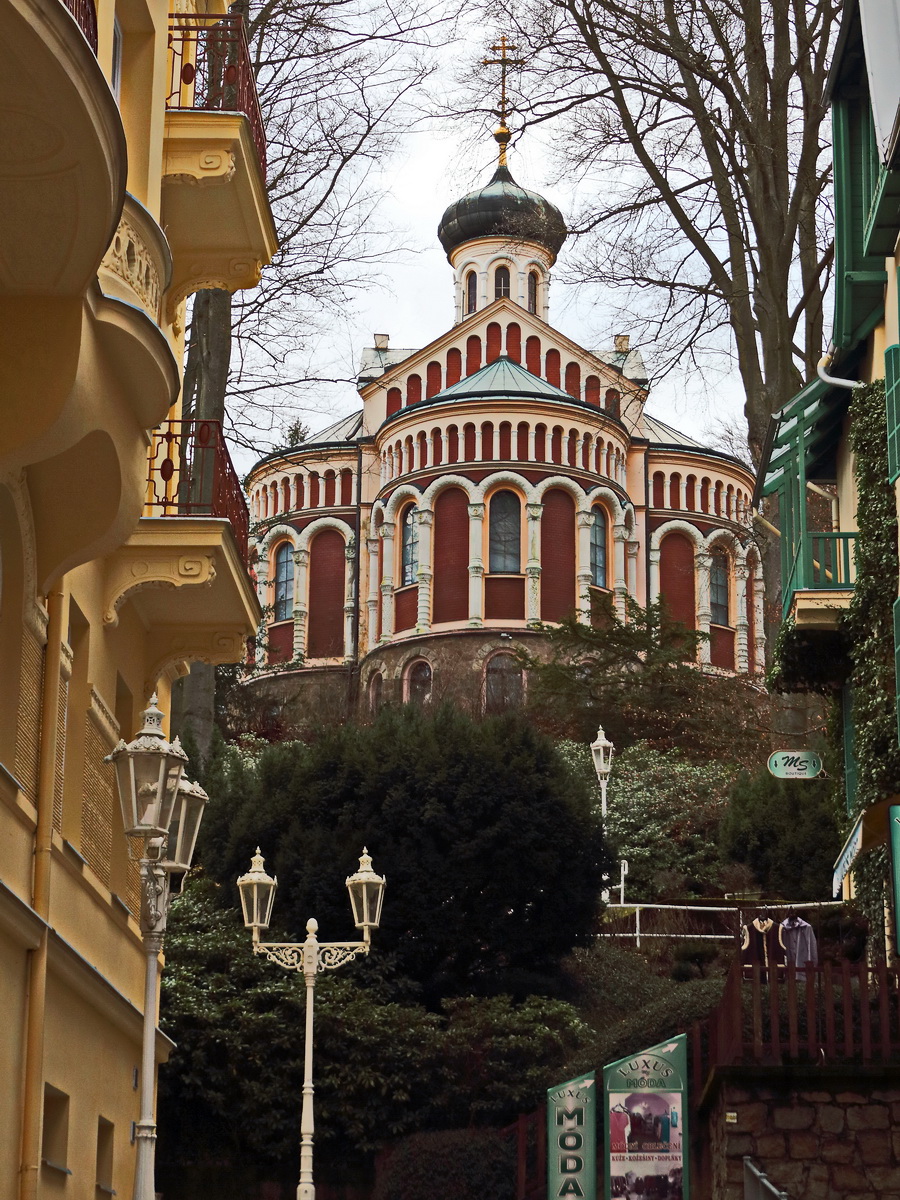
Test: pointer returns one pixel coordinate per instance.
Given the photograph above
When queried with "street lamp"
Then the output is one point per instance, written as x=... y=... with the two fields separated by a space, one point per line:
x=257 y=891
x=602 y=753
x=160 y=809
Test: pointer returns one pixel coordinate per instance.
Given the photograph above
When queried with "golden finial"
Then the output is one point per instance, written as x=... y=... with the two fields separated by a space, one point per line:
x=502 y=134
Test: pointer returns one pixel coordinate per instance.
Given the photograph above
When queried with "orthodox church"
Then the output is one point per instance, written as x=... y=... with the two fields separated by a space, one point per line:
x=499 y=478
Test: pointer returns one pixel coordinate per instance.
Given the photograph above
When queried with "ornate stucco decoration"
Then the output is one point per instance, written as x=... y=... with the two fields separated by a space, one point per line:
x=132 y=569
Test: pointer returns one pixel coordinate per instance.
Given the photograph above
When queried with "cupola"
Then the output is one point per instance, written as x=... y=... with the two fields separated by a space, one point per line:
x=501 y=240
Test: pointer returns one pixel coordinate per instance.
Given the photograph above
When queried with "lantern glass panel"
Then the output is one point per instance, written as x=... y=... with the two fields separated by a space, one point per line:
x=185 y=827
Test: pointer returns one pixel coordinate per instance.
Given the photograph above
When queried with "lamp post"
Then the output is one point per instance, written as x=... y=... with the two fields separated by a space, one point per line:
x=602 y=753
x=161 y=813
x=257 y=891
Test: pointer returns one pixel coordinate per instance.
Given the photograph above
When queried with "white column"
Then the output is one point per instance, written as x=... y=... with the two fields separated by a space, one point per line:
x=741 y=624
x=262 y=589
x=523 y=285
x=423 y=616
x=301 y=609
x=349 y=598
x=632 y=548
x=759 y=623
x=387 y=581
x=704 y=604
x=476 y=565
x=531 y=443
x=483 y=281
x=372 y=597
x=584 y=521
x=478 y=443
x=653 y=595
x=533 y=512
x=684 y=492
x=429 y=450
x=620 y=536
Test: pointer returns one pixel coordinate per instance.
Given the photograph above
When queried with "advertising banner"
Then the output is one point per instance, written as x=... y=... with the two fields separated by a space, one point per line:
x=645 y=1122
x=572 y=1139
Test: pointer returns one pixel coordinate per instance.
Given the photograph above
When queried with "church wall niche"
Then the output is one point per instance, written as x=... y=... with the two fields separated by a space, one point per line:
x=454 y=366
x=451 y=556
x=327 y=564
x=494 y=342
x=533 y=355
x=473 y=354
x=514 y=341
x=557 y=555
x=676 y=578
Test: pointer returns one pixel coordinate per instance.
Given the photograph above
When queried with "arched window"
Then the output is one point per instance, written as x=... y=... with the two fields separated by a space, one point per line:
x=409 y=547
x=471 y=292
x=284 y=582
x=376 y=691
x=718 y=587
x=532 y=291
x=418 y=682
x=505 y=537
x=501 y=282
x=598 y=548
x=502 y=683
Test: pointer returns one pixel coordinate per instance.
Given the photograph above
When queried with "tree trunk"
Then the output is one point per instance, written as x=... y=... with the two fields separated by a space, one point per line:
x=205 y=385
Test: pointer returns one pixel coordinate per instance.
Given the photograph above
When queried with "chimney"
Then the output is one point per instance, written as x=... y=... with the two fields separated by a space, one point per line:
x=622 y=341
x=383 y=339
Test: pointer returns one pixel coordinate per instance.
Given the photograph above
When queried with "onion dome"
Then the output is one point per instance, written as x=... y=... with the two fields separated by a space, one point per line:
x=503 y=209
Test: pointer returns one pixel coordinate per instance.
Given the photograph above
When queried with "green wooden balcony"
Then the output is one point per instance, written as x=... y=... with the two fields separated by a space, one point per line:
x=823 y=562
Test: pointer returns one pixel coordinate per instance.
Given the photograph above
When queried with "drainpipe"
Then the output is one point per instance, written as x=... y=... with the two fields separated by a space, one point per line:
x=32 y=1100
x=835 y=381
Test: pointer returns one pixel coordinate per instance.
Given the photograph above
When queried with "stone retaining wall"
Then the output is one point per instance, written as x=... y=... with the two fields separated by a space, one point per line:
x=817 y=1135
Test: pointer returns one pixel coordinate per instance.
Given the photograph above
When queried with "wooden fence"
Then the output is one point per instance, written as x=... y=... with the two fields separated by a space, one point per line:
x=834 y=1013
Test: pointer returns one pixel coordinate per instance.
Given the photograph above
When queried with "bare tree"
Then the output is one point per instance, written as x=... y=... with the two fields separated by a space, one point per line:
x=334 y=78
x=697 y=129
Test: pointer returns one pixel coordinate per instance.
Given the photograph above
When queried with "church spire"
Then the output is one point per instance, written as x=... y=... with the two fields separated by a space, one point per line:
x=502 y=134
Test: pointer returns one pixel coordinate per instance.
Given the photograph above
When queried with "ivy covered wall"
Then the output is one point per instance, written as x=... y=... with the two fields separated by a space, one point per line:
x=868 y=626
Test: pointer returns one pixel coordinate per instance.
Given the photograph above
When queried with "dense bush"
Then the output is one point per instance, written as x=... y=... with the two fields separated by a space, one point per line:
x=492 y=853
x=465 y=1164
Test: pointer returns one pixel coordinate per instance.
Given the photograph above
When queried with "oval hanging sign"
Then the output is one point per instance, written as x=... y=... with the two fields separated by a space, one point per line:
x=795 y=764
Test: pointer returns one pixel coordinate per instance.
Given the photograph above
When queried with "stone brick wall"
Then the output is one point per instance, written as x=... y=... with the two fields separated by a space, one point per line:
x=831 y=1135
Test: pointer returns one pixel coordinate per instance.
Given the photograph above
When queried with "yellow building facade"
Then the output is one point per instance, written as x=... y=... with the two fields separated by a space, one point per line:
x=132 y=174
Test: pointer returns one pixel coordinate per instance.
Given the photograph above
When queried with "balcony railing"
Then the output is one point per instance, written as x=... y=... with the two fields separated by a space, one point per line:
x=210 y=70
x=191 y=475
x=822 y=562
x=86 y=15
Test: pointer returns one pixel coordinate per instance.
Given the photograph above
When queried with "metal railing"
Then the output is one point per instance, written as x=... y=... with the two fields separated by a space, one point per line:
x=191 y=475
x=757 y=1184
x=822 y=562
x=86 y=15
x=682 y=921
x=210 y=70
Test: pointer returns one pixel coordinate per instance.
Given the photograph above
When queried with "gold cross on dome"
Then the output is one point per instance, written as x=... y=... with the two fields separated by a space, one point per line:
x=504 y=62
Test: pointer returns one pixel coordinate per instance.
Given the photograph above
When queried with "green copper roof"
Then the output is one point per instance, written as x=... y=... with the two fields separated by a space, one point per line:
x=502 y=377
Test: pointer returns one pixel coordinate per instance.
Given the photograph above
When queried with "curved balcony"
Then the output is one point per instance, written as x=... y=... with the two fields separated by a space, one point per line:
x=137 y=267
x=215 y=206
x=63 y=179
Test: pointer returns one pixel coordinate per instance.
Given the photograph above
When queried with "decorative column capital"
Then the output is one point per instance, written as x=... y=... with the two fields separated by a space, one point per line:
x=534 y=512
x=533 y=571
x=585 y=518
x=424 y=516
x=476 y=512
x=301 y=557
x=387 y=529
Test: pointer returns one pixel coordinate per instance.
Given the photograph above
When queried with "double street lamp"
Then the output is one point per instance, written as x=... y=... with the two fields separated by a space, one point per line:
x=161 y=813
x=257 y=891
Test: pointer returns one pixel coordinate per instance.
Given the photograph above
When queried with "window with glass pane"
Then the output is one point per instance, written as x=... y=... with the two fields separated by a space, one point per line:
x=718 y=588
x=410 y=543
x=284 y=582
x=418 y=682
x=471 y=292
x=532 y=291
x=598 y=549
x=502 y=683
x=501 y=282
x=505 y=534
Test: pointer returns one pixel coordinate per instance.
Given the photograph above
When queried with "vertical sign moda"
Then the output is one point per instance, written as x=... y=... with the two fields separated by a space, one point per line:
x=645 y=1121
x=894 y=840
x=572 y=1139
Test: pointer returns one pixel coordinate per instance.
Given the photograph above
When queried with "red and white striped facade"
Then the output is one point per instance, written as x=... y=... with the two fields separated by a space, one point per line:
x=437 y=439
